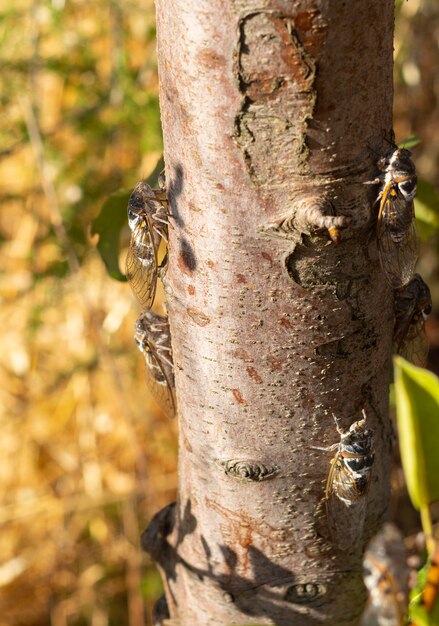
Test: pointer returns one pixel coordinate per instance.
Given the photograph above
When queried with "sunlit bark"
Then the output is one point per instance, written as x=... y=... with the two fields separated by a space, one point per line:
x=272 y=113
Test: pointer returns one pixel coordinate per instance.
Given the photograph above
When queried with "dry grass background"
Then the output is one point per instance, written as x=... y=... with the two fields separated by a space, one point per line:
x=86 y=456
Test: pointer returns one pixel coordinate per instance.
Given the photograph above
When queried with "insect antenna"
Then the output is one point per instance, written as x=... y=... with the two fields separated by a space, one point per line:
x=337 y=425
x=377 y=154
x=391 y=141
x=321 y=449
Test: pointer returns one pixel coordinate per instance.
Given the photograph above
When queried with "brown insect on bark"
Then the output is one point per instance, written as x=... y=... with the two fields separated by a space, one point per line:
x=412 y=306
x=148 y=221
x=348 y=482
x=153 y=338
x=396 y=233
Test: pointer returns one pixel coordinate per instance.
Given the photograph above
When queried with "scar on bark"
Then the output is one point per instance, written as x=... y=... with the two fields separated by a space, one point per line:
x=309 y=216
x=248 y=470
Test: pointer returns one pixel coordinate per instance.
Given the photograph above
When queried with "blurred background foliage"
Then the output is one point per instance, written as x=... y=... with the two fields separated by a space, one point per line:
x=87 y=457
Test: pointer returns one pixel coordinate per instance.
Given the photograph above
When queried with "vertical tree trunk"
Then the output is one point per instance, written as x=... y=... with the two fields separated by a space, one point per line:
x=273 y=113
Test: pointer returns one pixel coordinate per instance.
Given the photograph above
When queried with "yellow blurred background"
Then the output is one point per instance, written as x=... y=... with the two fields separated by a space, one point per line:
x=86 y=455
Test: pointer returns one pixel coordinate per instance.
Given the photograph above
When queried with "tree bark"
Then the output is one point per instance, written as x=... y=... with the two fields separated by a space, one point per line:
x=273 y=114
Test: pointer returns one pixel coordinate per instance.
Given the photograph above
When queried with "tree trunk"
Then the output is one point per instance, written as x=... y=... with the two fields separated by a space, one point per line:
x=273 y=115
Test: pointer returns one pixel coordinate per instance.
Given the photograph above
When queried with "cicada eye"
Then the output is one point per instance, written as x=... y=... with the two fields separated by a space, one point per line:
x=138 y=327
x=136 y=200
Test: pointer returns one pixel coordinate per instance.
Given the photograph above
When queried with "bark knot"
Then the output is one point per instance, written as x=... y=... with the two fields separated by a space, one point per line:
x=248 y=470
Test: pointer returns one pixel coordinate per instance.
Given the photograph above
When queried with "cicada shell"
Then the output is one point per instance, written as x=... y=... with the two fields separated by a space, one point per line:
x=386 y=576
x=148 y=221
x=153 y=338
x=396 y=232
x=412 y=306
x=348 y=483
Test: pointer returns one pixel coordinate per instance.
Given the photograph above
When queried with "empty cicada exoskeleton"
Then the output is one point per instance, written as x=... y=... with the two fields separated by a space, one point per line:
x=153 y=338
x=148 y=221
x=386 y=576
x=396 y=233
x=412 y=306
x=348 y=483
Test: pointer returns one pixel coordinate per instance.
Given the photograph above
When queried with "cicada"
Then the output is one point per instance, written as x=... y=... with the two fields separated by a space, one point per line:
x=148 y=221
x=412 y=306
x=348 y=483
x=153 y=338
x=396 y=233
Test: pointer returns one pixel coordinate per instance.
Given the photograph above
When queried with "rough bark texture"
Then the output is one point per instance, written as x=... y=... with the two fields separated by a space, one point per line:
x=272 y=113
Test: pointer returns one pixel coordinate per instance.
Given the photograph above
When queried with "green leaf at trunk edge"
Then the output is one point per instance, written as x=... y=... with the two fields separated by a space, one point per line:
x=108 y=225
x=417 y=408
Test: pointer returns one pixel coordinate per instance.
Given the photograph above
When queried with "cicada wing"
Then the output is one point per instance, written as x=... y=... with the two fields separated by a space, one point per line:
x=345 y=506
x=160 y=380
x=414 y=346
x=398 y=251
x=141 y=263
x=346 y=522
x=403 y=325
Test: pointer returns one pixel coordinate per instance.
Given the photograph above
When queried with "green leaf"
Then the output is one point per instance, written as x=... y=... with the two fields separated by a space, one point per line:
x=434 y=615
x=108 y=225
x=151 y=584
x=426 y=209
x=418 y=616
x=417 y=409
x=410 y=142
x=417 y=612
